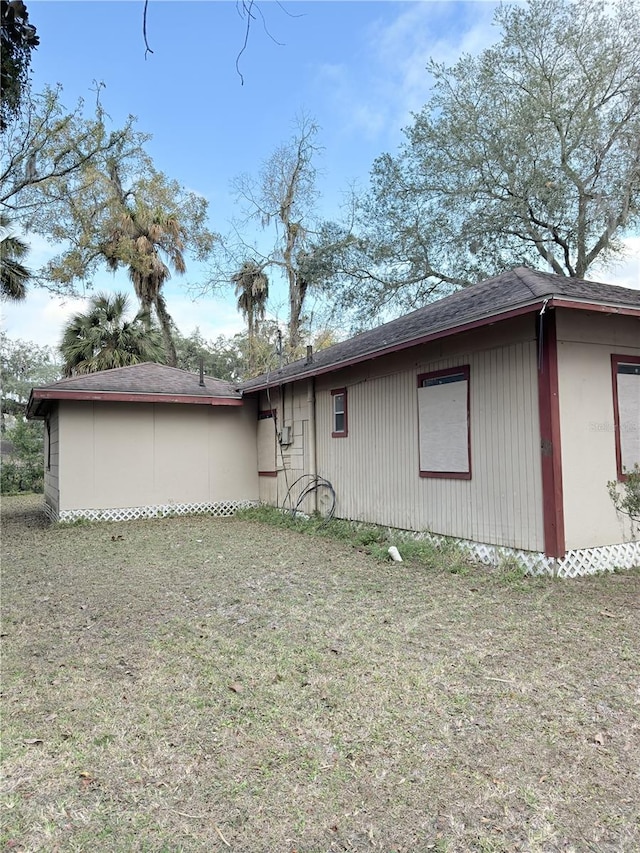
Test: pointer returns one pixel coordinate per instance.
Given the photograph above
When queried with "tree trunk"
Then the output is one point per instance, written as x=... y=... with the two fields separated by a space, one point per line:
x=164 y=318
x=251 y=335
x=295 y=310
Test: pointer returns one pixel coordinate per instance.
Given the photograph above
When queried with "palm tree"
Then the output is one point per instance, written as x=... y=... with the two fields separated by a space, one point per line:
x=103 y=338
x=13 y=275
x=141 y=238
x=252 y=290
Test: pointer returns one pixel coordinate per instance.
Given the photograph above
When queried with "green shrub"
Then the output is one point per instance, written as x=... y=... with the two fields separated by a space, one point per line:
x=626 y=495
x=23 y=471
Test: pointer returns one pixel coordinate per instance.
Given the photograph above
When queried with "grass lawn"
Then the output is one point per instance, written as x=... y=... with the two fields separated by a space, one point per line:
x=195 y=684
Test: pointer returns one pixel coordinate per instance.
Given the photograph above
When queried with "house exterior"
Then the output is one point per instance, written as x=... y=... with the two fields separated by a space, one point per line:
x=495 y=416
x=145 y=440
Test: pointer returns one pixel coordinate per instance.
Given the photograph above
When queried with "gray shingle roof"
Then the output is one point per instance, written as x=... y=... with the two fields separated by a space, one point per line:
x=147 y=378
x=519 y=289
x=147 y=382
x=487 y=300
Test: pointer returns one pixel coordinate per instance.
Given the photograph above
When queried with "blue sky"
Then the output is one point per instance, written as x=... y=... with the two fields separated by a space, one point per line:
x=357 y=68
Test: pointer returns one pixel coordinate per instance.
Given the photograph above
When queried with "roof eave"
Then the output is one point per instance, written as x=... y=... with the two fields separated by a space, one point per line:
x=489 y=319
x=599 y=307
x=550 y=299
x=39 y=397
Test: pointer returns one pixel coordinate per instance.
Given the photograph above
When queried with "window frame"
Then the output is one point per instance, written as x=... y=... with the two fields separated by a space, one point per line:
x=465 y=371
x=336 y=433
x=616 y=361
x=47 y=422
x=264 y=415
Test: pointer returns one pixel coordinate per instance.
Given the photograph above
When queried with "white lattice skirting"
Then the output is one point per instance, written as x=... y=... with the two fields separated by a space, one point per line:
x=606 y=558
x=221 y=509
x=581 y=561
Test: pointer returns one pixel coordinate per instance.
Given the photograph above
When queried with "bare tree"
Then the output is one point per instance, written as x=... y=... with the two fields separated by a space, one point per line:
x=281 y=199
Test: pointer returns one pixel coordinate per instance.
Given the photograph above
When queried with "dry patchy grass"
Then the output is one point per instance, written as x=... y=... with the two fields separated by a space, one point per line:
x=194 y=684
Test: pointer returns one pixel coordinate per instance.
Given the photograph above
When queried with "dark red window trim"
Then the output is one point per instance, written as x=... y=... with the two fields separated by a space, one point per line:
x=436 y=374
x=616 y=360
x=344 y=432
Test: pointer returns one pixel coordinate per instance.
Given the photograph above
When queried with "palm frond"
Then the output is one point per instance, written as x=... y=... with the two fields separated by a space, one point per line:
x=13 y=274
x=103 y=338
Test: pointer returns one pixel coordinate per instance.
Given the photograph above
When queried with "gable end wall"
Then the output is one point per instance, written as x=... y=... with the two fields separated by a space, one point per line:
x=586 y=342
x=118 y=455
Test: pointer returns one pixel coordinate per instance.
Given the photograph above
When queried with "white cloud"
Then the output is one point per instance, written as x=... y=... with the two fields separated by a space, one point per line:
x=625 y=271
x=41 y=317
x=393 y=81
x=212 y=316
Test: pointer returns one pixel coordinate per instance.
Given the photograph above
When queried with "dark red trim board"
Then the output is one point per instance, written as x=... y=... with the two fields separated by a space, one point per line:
x=399 y=347
x=123 y=397
x=559 y=302
x=550 y=449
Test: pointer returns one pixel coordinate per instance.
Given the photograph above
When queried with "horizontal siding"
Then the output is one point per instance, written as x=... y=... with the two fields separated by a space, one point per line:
x=292 y=474
x=52 y=455
x=292 y=459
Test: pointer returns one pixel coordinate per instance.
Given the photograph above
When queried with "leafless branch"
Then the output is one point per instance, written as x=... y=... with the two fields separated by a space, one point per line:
x=147 y=49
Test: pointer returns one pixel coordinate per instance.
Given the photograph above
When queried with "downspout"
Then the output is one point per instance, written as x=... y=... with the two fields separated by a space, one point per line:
x=311 y=438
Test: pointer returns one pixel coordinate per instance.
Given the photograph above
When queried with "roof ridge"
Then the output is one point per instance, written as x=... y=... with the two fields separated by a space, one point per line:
x=523 y=273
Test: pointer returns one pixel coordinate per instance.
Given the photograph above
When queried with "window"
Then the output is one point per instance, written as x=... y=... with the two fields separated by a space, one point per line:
x=48 y=439
x=340 y=420
x=267 y=466
x=443 y=423
x=626 y=411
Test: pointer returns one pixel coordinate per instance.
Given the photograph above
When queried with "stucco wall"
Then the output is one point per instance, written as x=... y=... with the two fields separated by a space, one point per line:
x=585 y=344
x=126 y=454
x=375 y=469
